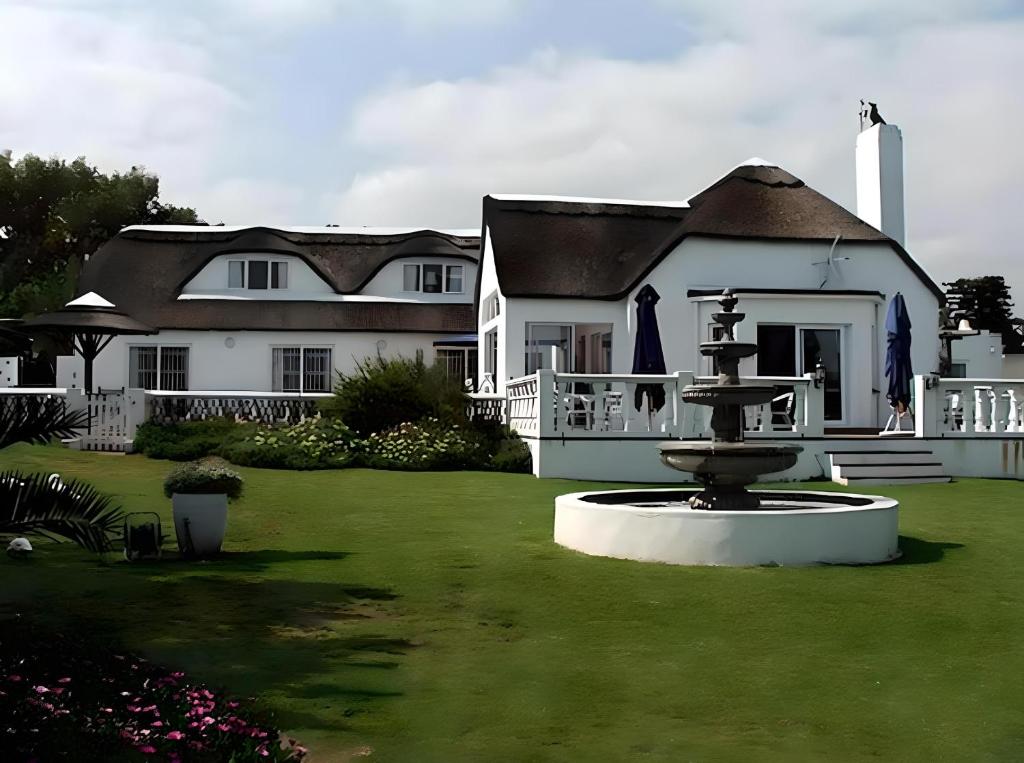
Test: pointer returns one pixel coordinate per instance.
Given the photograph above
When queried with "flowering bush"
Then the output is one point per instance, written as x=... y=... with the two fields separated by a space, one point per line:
x=316 y=443
x=62 y=698
x=426 y=445
x=203 y=477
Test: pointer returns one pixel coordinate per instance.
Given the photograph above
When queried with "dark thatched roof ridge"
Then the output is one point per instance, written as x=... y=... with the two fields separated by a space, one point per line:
x=603 y=250
x=143 y=270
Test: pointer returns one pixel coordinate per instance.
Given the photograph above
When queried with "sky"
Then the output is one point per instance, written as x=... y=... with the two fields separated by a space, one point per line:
x=406 y=112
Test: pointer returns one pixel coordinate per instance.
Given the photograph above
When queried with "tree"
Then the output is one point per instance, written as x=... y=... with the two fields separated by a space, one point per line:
x=985 y=302
x=53 y=213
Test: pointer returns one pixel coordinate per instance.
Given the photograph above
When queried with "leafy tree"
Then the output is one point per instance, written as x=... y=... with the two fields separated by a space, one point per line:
x=986 y=302
x=53 y=213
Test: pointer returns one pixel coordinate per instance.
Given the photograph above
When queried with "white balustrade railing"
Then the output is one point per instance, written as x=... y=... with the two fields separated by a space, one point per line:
x=522 y=405
x=797 y=409
x=968 y=407
x=549 y=404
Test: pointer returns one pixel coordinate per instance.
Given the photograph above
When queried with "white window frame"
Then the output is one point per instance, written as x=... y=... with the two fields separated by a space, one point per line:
x=159 y=371
x=303 y=348
x=445 y=268
x=247 y=279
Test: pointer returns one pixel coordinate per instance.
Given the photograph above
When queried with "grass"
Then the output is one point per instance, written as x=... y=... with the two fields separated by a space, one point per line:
x=430 y=617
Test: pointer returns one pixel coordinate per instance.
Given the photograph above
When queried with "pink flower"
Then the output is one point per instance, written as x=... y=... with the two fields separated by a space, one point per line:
x=157 y=724
x=223 y=727
x=147 y=749
x=41 y=690
x=58 y=690
x=175 y=735
x=177 y=674
x=232 y=705
x=106 y=709
x=65 y=680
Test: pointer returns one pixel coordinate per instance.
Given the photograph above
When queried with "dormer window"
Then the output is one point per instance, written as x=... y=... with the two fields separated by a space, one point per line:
x=432 y=279
x=257 y=274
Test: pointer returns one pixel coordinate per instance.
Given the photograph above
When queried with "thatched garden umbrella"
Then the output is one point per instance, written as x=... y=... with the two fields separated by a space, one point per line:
x=91 y=322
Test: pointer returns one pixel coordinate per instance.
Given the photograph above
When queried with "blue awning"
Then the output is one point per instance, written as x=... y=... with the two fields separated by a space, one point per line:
x=461 y=340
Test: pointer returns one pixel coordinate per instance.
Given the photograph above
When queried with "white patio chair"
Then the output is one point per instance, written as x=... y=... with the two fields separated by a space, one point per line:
x=613 y=410
x=784 y=416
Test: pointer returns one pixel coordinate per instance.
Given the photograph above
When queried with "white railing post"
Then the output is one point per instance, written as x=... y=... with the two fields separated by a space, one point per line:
x=135 y=411
x=679 y=408
x=928 y=408
x=814 y=409
x=547 y=413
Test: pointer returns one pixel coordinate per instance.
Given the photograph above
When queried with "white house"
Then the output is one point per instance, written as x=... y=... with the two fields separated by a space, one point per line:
x=558 y=279
x=279 y=310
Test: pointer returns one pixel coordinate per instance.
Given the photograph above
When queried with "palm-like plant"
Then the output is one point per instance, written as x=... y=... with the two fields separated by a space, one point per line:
x=25 y=418
x=36 y=504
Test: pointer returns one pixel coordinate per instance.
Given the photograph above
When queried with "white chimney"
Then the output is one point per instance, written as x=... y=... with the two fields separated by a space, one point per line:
x=880 y=180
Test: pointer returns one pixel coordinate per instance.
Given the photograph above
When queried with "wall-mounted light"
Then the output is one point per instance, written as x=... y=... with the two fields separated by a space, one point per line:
x=819 y=375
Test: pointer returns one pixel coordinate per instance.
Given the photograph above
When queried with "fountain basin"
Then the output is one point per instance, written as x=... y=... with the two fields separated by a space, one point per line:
x=724 y=459
x=728 y=394
x=790 y=528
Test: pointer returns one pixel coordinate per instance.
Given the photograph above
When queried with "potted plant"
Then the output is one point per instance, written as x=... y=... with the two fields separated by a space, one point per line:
x=199 y=493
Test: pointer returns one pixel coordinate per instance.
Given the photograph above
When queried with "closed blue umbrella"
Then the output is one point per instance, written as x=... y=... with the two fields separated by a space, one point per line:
x=648 y=357
x=897 y=355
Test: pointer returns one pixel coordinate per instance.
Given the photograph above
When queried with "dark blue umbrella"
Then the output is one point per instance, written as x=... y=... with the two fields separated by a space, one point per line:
x=648 y=357
x=897 y=354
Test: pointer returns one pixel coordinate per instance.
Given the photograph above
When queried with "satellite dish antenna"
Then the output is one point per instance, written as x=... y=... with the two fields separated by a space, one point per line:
x=830 y=262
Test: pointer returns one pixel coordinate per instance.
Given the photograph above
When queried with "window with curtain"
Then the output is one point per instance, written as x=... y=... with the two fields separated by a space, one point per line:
x=432 y=279
x=453 y=279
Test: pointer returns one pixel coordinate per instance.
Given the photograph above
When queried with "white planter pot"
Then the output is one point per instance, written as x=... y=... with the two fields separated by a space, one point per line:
x=200 y=520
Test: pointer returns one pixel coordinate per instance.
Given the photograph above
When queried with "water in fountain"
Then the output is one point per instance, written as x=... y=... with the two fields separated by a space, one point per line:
x=726 y=464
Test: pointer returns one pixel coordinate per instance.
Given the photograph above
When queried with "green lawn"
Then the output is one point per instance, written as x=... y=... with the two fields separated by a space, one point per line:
x=430 y=617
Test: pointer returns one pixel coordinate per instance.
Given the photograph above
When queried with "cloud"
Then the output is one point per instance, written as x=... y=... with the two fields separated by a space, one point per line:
x=760 y=85
x=119 y=90
x=415 y=13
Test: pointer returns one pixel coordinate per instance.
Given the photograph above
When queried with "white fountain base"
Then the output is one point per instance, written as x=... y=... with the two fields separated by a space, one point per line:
x=790 y=528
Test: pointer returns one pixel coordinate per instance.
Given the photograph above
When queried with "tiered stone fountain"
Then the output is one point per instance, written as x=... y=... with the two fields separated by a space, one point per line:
x=724 y=523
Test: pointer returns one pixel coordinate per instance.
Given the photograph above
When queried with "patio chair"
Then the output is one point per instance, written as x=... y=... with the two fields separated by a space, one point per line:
x=613 y=410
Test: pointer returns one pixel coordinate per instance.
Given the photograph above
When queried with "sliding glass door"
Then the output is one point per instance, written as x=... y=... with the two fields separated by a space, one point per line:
x=794 y=350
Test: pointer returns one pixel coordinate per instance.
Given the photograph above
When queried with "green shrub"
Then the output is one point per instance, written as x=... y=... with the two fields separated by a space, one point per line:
x=512 y=456
x=203 y=477
x=188 y=440
x=430 y=444
x=386 y=392
x=319 y=443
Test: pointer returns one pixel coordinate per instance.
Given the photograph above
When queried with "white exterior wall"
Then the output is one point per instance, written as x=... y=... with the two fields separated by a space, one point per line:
x=880 y=180
x=1013 y=367
x=247 y=365
x=303 y=281
x=305 y=284
x=705 y=263
x=488 y=286
x=702 y=263
x=983 y=355
x=606 y=460
x=389 y=281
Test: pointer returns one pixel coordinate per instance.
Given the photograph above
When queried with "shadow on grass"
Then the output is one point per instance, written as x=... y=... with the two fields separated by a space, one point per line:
x=917 y=551
x=319 y=651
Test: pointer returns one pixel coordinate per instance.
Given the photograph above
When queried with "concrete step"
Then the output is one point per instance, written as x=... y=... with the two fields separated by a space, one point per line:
x=858 y=481
x=882 y=459
x=893 y=470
